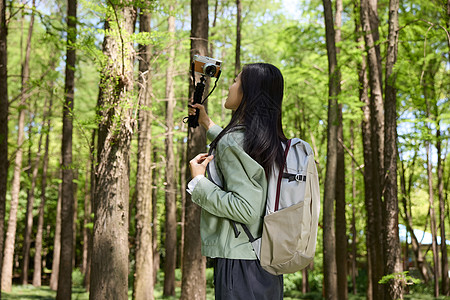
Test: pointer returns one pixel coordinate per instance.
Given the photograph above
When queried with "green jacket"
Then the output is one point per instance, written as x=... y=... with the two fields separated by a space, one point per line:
x=242 y=199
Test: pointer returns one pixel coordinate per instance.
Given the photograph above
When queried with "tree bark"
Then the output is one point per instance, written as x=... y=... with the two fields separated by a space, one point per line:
x=353 y=221
x=183 y=184
x=329 y=241
x=40 y=226
x=369 y=23
x=8 y=258
x=57 y=241
x=4 y=162
x=237 y=64
x=440 y=189
x=171 y=205
x=109 y=275
x=88 y=212
x=144 y=281
x=155 y=221
x=341 y=222
x=393 y=264
x=193 y=278
x=64 y=290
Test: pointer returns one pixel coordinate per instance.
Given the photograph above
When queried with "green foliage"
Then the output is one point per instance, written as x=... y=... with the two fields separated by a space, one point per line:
x=401 y=277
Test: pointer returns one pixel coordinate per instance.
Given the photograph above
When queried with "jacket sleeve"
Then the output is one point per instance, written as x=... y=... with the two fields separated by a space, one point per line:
x=243 y=197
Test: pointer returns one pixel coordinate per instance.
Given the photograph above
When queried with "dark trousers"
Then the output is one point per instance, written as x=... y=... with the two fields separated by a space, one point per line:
x=238 y=279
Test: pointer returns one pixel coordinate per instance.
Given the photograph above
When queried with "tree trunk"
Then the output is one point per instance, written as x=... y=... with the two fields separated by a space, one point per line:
x=237 y=64
x=34 y=167
x=421 y=262
x=154 y=191
x=4 y=162
x=353 y=222
x=57 y=242
x=7 y=267
x=329 y=245
x=369 y=22
x=183 y=184
x=193 y=278
x=75 y=215
x=171 y=205
x=305 y=283
x=40 y=226
x=341 y=222
x=393 y=264
x=64 y=290
x=88 y=212
x=440 y=189
x=109 y=275
x=144 y=281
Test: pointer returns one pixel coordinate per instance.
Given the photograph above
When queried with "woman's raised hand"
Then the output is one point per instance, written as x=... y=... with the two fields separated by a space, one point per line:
x=203 y=117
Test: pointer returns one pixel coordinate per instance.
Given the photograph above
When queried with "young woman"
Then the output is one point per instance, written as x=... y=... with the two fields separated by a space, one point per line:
x=243 y=155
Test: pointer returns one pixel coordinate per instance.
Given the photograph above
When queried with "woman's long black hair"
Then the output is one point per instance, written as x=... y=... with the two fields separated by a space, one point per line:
x=260 y=114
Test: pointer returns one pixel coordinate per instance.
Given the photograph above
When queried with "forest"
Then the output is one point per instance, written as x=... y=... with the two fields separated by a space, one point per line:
x=94 y=149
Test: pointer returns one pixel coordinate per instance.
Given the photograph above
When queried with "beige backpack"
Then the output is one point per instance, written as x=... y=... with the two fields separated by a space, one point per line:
x=289 y=235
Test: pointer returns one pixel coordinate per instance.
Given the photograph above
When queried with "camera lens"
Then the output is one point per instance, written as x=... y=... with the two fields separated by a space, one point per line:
x=210 y=70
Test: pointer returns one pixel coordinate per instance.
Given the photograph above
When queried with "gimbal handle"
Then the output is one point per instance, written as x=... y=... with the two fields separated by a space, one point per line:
x=198 y=95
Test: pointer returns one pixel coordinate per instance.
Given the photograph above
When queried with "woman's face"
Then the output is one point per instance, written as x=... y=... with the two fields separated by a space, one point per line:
x=234 y=94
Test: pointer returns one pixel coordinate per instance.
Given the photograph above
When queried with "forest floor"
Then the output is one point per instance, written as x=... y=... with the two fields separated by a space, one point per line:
x=29 y=292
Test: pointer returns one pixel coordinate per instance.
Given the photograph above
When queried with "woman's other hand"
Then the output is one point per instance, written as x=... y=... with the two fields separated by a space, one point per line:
x=198 y=164
x=203 y=117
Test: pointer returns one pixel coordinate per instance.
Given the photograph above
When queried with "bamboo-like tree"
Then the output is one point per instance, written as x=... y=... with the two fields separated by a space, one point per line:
x=109 y=267
x=7 y=267
x=193 y=278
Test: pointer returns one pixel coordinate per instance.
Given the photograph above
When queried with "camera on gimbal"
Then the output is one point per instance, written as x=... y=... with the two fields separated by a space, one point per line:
x=206 y=66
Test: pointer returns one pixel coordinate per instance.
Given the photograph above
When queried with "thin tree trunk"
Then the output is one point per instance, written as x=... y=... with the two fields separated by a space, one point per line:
x=211 y=44
x=87 y=274
x=75 y=215
x=237 y=64
x=40 y=226
x=369 y=22
x=64 y=290
x=171 y=205
x=4 y=162
x=440 y=189
x=7 y=267
x=34 y=167
x=182 y=151
x=109 y=276
x=341 y=222
x=421 y=262
x=353 y=222
x=154 y=191
x=305 y=283
x=329 y=240
x=432 y=221
x=144 y=280
x=367 y=153
x=57 y=241
x=193 y=278
x=393 y=264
